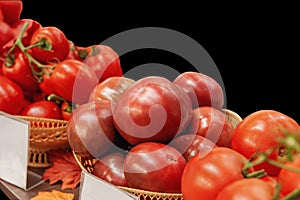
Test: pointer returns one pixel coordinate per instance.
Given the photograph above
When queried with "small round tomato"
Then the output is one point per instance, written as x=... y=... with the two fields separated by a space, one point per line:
x=111 y=88
x=259 y=132
x=247 y=189
x=42 y=109
x=205 y=177
x=104 y=61
x=154 y=167
x=51 y=45
x=11 y=96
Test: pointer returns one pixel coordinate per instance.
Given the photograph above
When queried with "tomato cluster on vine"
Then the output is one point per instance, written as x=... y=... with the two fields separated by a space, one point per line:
x=40 y=61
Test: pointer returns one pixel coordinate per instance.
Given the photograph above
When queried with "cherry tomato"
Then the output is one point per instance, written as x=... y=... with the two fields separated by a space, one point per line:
x=205 y=177
x=73 y=81
x=111 y=88
x=202 y=89
x=17 y=68
x=152 y=109
x=288 y=179
x=247 y=189
x=104 y=61
x=111 y=169
x=11 y=10
x=42 y=109
x=212 y=123
x=154 y=167
x=11 y=96
x=259 y=132
x=67 y=109
x=52 y=45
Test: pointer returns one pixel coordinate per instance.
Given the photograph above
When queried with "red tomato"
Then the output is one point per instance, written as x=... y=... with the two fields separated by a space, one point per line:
x=212 y=123
x=202 y=89
x=111 y=169
x=111 y=88
x=52 y=45
x=154 y=167
x=288 y=179
x=17 y=68
x=46 y=84
x=11 y=96
x=205 y=177
x=90 y=130
x=190 y=145
x=73 y=81
x=11 y=10
x=152 y=109
x=104 y=61
x=78 y=53
x=6 y=34
x=67 y=109
x=42 y=109
x=247 y=189
x=259 y=132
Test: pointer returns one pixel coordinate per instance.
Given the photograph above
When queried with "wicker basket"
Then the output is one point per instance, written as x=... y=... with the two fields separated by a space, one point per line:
x=87 y=166
x=45 y=134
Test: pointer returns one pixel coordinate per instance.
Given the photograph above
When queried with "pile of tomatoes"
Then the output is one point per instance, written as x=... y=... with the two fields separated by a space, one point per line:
x=152 y=134
x=40 y=67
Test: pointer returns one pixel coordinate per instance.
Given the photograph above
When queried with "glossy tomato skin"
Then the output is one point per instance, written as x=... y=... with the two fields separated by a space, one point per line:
x=259 y=131
x=11 y=96
x=111 y=88
x=11 y=10
x=104 y=61
x=54 y=47
x=205 y=177
x=202 y=89
x=152 y=109
x=67 y=109
x=212 y=123
x=17 y=68
x=90 y=129
x=288 y=179
x=43 y=109
x=154 y=167
x=247 y=189
x=111 y=169
x=6 y=34
x=190 y=145
x=73 y=80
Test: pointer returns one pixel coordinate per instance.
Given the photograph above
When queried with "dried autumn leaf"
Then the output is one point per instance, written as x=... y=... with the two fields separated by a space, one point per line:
x=64 y=168
x=54 y=194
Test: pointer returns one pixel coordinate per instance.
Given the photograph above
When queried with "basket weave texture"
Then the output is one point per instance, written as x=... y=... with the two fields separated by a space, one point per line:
x=87 y=166
x=45 y=135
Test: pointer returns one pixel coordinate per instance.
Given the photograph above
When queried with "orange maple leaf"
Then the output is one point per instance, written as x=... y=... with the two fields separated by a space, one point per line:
x=64 y=168
x=54 y=194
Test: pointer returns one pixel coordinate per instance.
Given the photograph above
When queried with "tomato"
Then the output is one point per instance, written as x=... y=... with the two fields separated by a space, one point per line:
x=111 y=169
x=17 y=68
x=90 y=129
x=247 y=189
x=45 y=83
x=288 y=179
x=42 y=109
x=190 y=145
x=51 y=45
x=73 y=81
x=258 y=132
x=154 y=167
x=11 y=10
x=104 y=61
x=6 y=34
x=78 y=52
x=202 y=89
x=67 y=109
x=204 y=177
x=111 y=88
x=212 y=123
x=11 y=96
x=152 y=109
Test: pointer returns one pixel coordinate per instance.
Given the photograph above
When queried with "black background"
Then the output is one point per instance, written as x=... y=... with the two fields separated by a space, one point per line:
x=253 y=46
